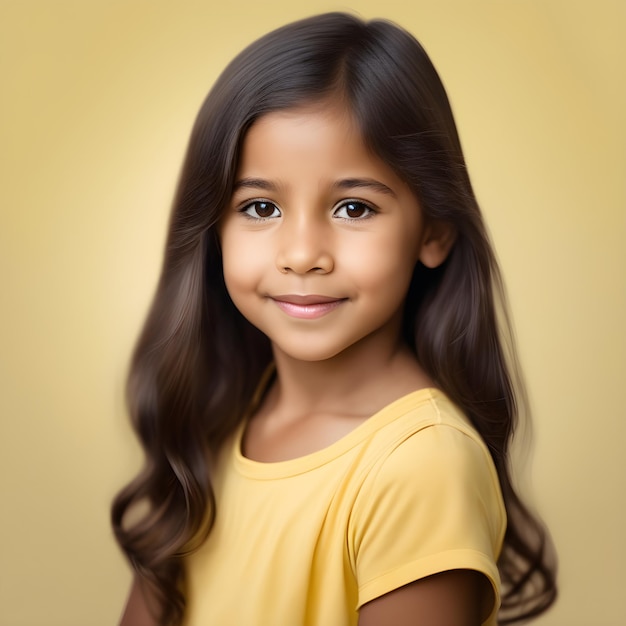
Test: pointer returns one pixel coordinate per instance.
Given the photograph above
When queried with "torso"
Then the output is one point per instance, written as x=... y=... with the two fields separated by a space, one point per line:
x=306 y=541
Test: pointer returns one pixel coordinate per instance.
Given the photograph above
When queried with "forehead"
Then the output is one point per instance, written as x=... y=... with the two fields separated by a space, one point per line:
x=306 y=128
x=320 y=141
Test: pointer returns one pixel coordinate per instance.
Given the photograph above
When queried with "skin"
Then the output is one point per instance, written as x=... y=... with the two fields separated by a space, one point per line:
x=455 y=598
x=319 y=244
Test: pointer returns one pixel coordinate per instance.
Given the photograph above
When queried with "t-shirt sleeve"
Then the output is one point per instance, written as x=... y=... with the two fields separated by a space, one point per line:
x=432 y=505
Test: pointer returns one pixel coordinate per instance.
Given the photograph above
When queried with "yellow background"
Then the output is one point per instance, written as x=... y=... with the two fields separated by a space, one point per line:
x=97 y=101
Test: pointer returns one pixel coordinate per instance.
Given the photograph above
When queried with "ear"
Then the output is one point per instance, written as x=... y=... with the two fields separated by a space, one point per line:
x=439 y=237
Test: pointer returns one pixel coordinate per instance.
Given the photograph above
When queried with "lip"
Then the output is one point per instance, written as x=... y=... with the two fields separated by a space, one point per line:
x=307 y=306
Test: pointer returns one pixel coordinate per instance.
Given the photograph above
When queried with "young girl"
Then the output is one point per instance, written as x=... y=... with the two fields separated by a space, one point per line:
x=321 y=387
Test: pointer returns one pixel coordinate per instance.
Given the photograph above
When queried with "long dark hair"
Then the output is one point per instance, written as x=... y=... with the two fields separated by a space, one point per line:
x=198 y=361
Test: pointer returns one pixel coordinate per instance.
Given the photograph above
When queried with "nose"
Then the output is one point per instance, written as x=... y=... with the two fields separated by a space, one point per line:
x=304 y=246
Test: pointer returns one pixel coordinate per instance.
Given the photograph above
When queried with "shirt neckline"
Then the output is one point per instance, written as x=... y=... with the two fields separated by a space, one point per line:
x=282 y=469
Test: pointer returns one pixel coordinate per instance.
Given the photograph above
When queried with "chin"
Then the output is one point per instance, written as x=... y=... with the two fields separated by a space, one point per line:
x=309 y=353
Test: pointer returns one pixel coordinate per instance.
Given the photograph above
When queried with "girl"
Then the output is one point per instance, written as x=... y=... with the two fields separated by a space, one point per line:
x=321 y=388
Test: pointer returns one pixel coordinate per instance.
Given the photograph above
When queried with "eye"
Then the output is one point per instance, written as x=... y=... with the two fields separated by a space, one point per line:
x=261 y=209
x=353 y=210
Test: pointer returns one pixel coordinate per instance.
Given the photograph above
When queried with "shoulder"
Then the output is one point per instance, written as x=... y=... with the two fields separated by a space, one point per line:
x=435 y=456
x=431 y=433
x=431 y=503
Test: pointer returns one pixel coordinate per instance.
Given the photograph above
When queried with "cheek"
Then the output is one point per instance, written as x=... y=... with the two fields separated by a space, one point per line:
x=231 y=259
x=389 y=261
x=238 y=260
x=389 y=278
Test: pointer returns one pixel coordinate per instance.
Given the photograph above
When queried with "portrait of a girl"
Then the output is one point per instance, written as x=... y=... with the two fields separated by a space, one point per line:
x=324 y=387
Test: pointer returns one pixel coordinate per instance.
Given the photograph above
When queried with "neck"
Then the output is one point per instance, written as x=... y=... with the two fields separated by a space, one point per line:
x=360 y=380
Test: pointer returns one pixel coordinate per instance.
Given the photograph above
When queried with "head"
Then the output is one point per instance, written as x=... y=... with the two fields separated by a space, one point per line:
x=386 y=83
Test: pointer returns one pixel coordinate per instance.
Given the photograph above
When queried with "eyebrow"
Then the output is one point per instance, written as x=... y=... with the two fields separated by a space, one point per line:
x=254 y=183
x=344 y=183
x=364 y=183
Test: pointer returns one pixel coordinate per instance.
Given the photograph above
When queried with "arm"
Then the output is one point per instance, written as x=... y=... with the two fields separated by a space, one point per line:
x=454 y=598
x=137 y=612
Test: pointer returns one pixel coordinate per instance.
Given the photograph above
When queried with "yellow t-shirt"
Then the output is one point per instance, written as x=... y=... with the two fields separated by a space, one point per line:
x=410 y=492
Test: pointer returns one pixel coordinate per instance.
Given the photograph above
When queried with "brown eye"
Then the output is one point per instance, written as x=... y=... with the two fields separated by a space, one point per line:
x=353 y=210
x=261 y=209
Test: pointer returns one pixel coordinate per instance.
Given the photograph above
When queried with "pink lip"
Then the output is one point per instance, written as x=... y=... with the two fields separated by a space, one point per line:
x=307 y=307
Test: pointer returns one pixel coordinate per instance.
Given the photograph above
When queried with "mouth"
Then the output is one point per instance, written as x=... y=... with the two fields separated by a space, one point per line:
x=307 y=307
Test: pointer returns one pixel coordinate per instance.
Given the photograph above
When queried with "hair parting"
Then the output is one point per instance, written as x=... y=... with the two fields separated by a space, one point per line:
x=198 y=361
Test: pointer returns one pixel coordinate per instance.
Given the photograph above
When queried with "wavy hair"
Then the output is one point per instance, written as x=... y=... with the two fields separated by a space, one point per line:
x=198 y=360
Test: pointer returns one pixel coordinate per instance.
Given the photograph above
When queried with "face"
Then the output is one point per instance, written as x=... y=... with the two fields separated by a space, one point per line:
x=321 y=237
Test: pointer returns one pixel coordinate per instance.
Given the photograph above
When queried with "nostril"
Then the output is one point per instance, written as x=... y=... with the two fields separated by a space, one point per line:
x=304 y=264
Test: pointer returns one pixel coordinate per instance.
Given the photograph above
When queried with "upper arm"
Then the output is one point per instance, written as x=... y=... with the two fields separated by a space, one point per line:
x=137 y=612
x=454 y=598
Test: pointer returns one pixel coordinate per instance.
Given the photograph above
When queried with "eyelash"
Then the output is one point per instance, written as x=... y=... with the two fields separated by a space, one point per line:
x=369 y=211
x=249 y=206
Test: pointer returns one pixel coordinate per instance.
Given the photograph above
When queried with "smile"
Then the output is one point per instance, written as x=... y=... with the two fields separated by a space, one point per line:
x=307 y=307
